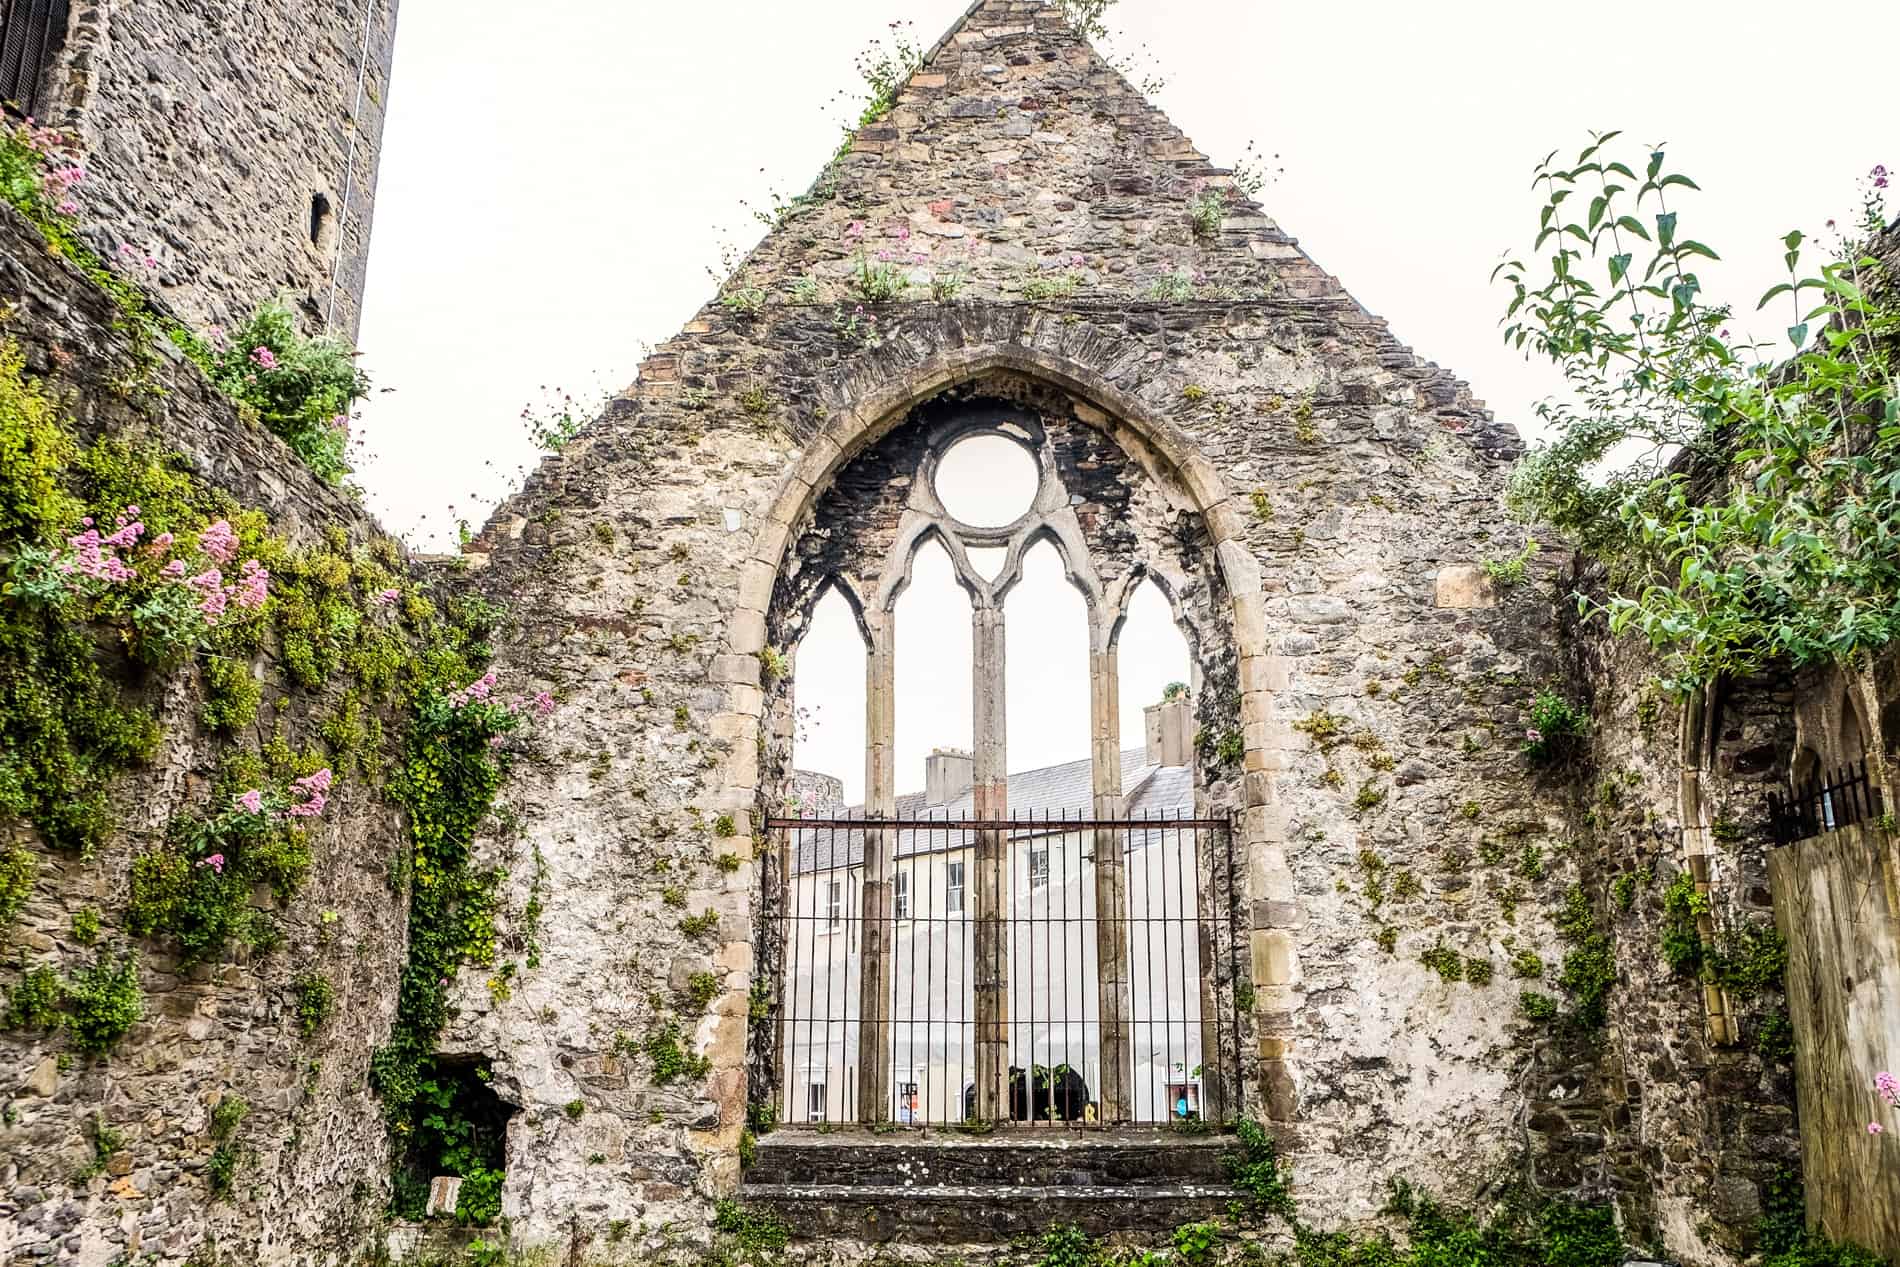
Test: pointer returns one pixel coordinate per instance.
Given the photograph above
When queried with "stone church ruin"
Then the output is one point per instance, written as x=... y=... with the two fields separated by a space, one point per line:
x=528 y=935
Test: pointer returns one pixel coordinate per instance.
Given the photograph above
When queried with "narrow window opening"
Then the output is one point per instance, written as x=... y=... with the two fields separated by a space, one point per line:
x=953 y=888
x=455 y=1159
x=828 y=698
x=1046 y=672
x=322 y=222
x=900 y=894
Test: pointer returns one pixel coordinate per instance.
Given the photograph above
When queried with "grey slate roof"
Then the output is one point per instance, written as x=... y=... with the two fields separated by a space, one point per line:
x=1057 y=790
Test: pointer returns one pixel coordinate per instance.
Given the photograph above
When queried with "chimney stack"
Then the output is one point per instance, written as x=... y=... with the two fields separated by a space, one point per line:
x=1170 y=730
x=948 y=774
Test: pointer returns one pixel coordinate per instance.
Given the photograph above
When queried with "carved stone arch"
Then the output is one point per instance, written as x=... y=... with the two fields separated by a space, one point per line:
x=1069 y=549
x=1229 y=641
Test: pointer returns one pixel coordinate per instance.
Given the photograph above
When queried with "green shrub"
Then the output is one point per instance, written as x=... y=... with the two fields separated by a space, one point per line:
x=231 y=695
x=35 y=1002
x=35 y=447
x=1540 y=1008
x=221 y=1170
x=1751 y=959
x=1447 y=963
x=302 y=388
x=103 y=1002
x=753 y=1233
x=1683 y=908
x=1255 y=1168
x=17 y=871
x=671 y=1061
x=315 y=999
x=1556 y=728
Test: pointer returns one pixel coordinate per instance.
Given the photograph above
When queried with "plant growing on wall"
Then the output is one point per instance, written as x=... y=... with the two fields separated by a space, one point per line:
x=1555 y=728
x=302 y=388
x=1755 y=523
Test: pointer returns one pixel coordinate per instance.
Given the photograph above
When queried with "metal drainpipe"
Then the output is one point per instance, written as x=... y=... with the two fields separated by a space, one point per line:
x=349 y=164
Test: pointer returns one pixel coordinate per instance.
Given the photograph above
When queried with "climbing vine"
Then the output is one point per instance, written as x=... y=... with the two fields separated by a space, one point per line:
x=454 y=766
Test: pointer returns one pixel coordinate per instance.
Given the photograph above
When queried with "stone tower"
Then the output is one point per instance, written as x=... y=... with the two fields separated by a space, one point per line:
x=1211 y=410
x=235 y=142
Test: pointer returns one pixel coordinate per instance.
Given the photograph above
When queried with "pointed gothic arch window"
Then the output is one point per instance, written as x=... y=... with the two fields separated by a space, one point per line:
x=996 y=575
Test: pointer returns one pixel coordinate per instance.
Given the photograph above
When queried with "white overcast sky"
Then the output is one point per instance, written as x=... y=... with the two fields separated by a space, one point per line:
x=552 y=193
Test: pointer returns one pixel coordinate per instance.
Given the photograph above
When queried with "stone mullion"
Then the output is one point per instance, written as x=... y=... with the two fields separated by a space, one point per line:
x=990 y=883
x=1111 y=887
x=877 y=925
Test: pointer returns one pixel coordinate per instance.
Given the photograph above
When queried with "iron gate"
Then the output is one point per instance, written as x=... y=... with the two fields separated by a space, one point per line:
x=1126 y=1017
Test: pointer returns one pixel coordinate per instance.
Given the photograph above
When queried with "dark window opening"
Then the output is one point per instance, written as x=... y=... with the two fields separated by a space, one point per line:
x=31 y=32
x=459 y=1132
x=319 y=220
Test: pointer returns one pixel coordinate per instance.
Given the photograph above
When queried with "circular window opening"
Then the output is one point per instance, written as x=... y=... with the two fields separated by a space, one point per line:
x=987 y=481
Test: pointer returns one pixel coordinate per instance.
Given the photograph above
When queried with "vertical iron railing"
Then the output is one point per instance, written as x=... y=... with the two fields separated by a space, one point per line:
x=31 y=32
x=1850 y=796
x=1181 y=919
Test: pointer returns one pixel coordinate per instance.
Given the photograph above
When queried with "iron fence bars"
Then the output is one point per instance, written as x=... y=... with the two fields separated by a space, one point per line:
x=31 y=32
x=1850 y=796
x=898 y=1041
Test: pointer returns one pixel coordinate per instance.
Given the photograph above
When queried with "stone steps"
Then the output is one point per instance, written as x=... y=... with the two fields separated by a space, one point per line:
x=981 y=1213
x=948 y=1188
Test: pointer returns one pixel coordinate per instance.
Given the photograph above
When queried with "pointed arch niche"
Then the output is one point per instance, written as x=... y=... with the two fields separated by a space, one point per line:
x=1100 y=508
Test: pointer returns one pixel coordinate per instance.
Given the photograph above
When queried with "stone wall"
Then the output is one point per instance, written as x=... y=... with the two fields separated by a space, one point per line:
x=1348 y=492
x=208 y=132
x=1837 y=900
x=313 y=1171
x=1698 y=1104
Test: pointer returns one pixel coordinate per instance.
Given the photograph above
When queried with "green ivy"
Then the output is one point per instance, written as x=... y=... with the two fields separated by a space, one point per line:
x=17 y=870
x=448 y=783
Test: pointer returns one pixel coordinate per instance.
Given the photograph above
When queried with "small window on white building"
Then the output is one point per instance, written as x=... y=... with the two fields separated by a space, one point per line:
x=953 y=890
x=1038 y=866
x=834 y=905
x=900 y=895
x=815 y=1102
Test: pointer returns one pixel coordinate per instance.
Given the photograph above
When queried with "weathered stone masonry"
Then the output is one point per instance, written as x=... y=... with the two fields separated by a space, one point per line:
x=237 y=142
x=645 y=558
x=1316 y=501
x=314 y=1177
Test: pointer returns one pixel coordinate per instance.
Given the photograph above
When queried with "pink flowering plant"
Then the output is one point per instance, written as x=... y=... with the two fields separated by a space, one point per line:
x=197 y=890
x=1554 y=728
x=166 y=594
x=301 y=388
x=1887 y=1091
